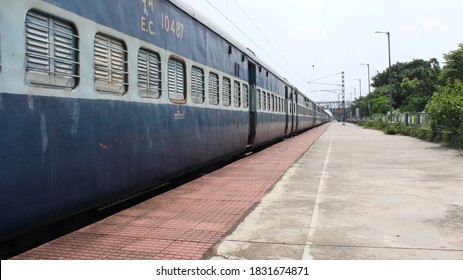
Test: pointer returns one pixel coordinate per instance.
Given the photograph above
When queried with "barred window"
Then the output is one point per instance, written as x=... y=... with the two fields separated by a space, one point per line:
x=273 y=102
x=226 y=91
x=176 y=80
x=269 y=103
x=51 y=51
x=237 y=94
x=245 y=96
x=111 y=74
x=264 y=100
x=213 y=88
x=258 y=100
x=149 y=74
x=197 y=85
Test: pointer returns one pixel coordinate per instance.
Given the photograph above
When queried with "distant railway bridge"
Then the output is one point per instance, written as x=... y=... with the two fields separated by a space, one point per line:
x=335 y=107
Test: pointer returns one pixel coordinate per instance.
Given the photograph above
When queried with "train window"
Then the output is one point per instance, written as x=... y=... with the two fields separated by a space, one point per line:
x=245 y=96
x=272 y=103
x=197 y=85
x=51 y=51
x=269 y=103
x=237 y=94
x=258 y=100
x=278 y=104
x=274 y=100
x=226 y=88
x=213 y=89
x=111 y=74
x=149 y=74
x=176 y=80
x=264 y=101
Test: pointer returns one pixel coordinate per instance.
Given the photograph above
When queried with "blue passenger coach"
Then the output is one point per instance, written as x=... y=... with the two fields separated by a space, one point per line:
x=102 y=99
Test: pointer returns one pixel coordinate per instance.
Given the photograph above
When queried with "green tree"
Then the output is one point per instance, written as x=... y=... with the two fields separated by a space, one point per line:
x=379 y=105
x=453 y=69
x=413 y=83
x=416 y=98
x=446 y=107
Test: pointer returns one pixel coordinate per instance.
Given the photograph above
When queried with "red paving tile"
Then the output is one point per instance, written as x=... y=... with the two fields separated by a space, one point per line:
x=183 y=223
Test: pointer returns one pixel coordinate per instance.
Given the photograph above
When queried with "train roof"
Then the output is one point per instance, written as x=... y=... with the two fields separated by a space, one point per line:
x=210 y=23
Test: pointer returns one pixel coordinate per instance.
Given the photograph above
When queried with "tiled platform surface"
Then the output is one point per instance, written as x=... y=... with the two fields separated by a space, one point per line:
x=185 y=222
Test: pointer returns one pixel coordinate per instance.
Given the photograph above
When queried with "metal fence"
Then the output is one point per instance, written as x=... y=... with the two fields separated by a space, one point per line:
x=408 y=119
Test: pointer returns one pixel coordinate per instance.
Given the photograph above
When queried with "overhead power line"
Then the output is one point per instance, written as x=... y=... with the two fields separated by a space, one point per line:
x=300 y=77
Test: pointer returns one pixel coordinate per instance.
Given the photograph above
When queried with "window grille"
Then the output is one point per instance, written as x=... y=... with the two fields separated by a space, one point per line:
x=213 y=89
x=264 y=99
x=111 y=74
x=245 y=96
x=226 y=88
x=149 y=74
x=237 y=94
x=197 y=85
x=269 y=103
x=274 y=103
x=176 y=80
x=51 y=51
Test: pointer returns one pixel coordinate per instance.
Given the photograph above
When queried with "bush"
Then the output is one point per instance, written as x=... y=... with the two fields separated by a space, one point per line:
x=455 y=141
x=446 y=107
x=392 y=129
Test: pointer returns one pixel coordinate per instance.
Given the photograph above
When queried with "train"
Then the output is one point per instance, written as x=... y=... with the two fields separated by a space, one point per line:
x=103 y=99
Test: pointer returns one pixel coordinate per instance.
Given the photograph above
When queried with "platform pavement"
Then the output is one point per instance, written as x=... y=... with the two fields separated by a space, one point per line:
x=358 y=194
x=185 y=222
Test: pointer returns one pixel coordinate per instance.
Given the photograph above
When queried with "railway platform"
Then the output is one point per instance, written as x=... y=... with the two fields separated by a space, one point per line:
x=359 y=194
x=183 y=223
x=334 y=192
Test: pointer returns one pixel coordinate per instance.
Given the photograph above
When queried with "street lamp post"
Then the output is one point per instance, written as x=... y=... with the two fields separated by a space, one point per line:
x=369 y=108
x=390 y=70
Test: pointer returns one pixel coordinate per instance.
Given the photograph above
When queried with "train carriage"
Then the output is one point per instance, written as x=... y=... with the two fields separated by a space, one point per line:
x=102 y=99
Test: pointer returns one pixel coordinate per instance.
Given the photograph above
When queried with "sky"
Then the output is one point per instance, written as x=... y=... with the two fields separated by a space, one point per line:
x=310 y=42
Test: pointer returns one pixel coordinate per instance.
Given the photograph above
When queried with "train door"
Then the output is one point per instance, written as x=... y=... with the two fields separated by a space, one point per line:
x=287 y=125
x=252 y=103
x=293 y=112
x=290 y=111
